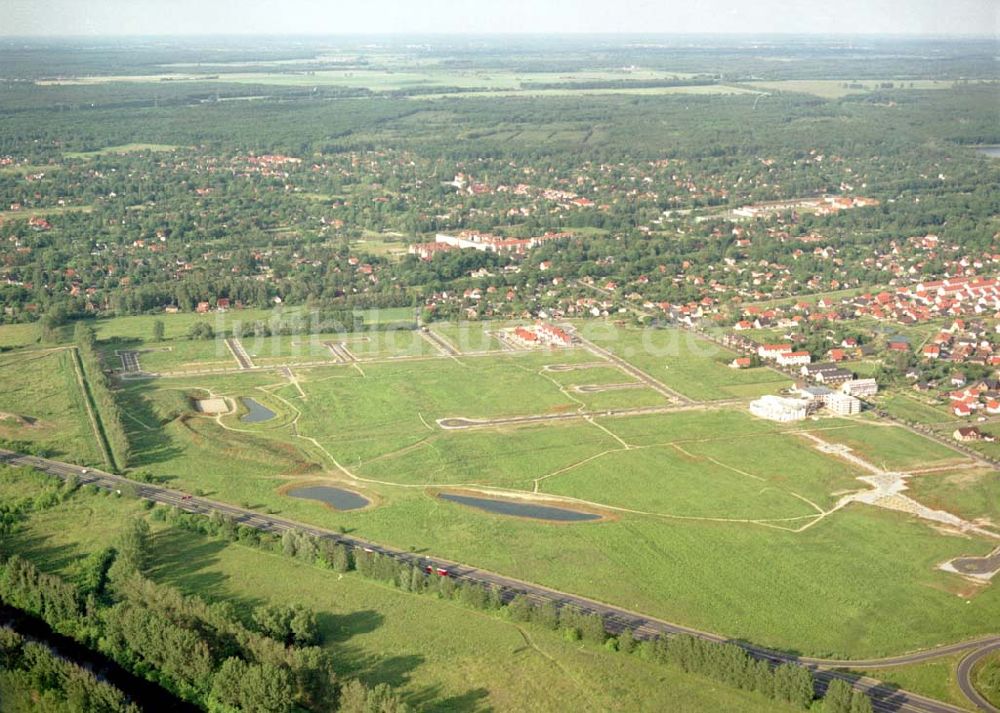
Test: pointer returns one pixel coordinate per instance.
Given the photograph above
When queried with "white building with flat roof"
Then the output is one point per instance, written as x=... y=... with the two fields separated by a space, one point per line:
x=779 y=408
x=843 y=404
x=860 y=387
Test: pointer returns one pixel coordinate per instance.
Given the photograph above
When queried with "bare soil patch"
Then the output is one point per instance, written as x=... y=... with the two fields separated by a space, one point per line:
x=213 y=406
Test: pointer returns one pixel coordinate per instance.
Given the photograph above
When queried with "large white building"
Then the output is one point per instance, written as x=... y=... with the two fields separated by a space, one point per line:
x=778 y=408
x=486 y=242
x=860 y=387
x=843 y=404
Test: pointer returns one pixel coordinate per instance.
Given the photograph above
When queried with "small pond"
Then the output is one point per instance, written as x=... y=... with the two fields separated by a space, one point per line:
x=518 y=509
x=257 y=412
x=337 y=498
x=991 y=151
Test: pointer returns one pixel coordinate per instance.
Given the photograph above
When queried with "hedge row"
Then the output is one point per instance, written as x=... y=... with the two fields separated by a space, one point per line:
x=727 y=663
x=108 y=413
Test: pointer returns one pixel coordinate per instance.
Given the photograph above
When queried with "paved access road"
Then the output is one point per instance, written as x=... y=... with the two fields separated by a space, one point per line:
x=884 y=698
x=460 y=422
x=964 y=674
x=239 y=353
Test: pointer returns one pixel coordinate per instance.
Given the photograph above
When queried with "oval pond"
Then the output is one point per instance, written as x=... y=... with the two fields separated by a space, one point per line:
x=507 y=507
x=337 y=498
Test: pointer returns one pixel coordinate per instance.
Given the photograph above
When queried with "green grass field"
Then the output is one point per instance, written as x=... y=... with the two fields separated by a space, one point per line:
x=387 y=315
x=683 y=361
x=972 y=493
x=182 y=355
x=469 y=336
x=122 y=149
x=394 y=405
x=716 y=519
x=380 y=248
x=669 y=481
x=310 y=348
x=678 y=568
x=911 y=408
x=892 y=446
x=178 y=353
x=440 y=655
x=935 y=679
x=41 y=402
x=986 y=678
x=176 y=326
x=45 y=211
x=20 y=169
x=18 y=335
x=509 y=458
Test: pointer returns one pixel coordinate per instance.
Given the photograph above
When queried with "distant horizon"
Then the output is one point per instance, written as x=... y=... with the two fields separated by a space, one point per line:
x=539 y=34
x=307 y=18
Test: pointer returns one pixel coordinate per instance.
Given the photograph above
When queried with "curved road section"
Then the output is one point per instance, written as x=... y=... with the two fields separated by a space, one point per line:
x=965 y=667
x=885 y=699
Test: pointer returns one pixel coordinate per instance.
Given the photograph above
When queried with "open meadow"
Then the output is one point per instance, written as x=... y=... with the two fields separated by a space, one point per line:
x=694 y=366
x=122 y=149
x=705 y=515
x=428 y=649
x=42 y=404
x=678 y=493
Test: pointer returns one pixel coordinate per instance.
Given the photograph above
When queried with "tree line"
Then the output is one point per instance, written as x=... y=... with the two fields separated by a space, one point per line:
x=726 y=663
x=51 y=682
x=209 y=654
x=107 y=412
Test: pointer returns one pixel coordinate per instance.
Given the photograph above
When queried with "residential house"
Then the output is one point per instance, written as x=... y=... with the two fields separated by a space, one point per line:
x=967 y=434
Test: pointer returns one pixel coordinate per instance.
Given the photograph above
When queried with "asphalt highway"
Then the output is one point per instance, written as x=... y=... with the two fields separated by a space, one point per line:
x=885 y=699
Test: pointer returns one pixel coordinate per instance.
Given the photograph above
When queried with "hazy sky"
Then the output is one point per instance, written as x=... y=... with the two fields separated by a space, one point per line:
x=175 y=17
